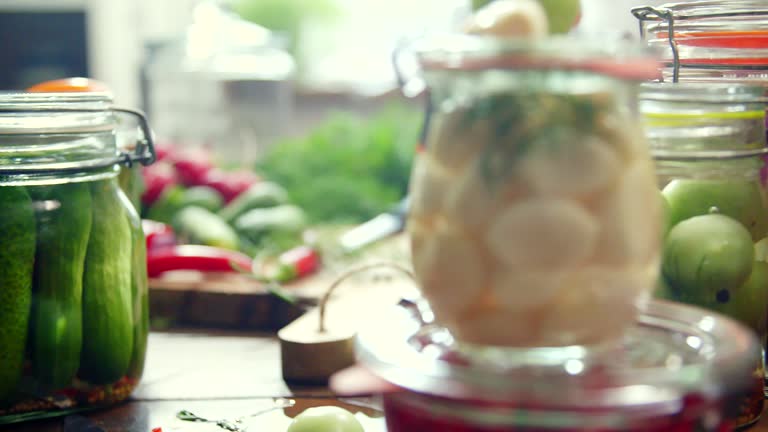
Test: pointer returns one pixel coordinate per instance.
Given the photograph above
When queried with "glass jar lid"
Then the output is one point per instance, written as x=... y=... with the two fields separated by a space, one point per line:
x=709 y=34
x=458 y=52
x=622 y=59
x=672 y=352
x=43 y=134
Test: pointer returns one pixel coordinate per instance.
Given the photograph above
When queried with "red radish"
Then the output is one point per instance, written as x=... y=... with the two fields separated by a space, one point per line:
x=230 y=184
x=165 y=151
x=193 y=166
x=157 y=234
x=191 y=172
x=157 y=177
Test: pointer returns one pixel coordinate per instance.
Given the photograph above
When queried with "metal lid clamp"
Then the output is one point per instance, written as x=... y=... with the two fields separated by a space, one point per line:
x=648 y=13
x=145 y=145
x=675 y=15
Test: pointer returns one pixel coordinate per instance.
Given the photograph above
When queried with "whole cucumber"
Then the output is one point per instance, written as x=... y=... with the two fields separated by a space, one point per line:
x=260 y=195
x=63 y=227
x=17 y=256
x=139 y=290
x=197 y=225
x=107 y=300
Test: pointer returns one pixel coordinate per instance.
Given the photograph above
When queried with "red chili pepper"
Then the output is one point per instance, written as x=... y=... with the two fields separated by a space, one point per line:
x=292 y=264
x=157 y=234
x=157 y=429
x=303 y=259
x=196 y=257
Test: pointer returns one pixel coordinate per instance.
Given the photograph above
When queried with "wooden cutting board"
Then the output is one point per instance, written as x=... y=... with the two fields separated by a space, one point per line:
x=232 y=301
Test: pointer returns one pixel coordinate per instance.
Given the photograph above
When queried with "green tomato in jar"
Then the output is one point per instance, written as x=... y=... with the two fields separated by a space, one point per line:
x=747 y=304
x=705 y=255
x=664 y=291
x=761 y=250
x=666 y=216
x=325 y=419
x=741 y=200
x=562 y=15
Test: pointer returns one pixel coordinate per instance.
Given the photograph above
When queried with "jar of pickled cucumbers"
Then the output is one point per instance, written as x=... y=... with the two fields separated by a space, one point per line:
x=534 y=211
x=73 y=281
x=708 y=141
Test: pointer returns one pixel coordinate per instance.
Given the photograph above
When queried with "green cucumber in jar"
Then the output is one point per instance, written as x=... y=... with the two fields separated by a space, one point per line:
x=107 y=300
x=17 y=256
x=63 y=214
x=139 y=290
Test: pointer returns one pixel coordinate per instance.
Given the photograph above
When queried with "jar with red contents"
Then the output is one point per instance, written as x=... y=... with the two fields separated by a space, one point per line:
x=677 y=369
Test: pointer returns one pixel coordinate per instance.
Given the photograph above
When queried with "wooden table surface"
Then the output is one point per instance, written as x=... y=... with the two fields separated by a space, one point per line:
x=215 y=375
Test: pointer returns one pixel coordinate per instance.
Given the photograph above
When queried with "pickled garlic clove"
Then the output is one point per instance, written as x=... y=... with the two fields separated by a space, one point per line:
x=596 y=305
x=630 y=218
x=519 y=289
x=454 y=141
x=428 y=186
x=574 y=168
x=623 y=134
x=499 y=327
x=546 y=234
x=510 y=18
x=450 y=271
x=473 y=202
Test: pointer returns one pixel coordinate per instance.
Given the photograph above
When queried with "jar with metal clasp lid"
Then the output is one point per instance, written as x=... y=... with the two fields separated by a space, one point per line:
x=73 y=283
x=709 y=40
x=523 y=186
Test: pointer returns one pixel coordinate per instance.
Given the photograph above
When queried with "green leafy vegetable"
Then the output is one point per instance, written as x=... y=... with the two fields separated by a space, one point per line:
x=523 y=120
x=350 y=168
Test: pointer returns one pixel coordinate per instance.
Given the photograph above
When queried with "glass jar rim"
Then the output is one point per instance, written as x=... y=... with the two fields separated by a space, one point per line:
x=457 y=51
x=707 y=354
x=715 y=92
x=21 y=100
x=714 y=8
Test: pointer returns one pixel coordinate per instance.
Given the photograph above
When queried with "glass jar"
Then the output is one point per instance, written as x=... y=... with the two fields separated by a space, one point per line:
x=709 y=39
x=533 y=204
x=675 y=369
x=73 y=297
x=708 y=141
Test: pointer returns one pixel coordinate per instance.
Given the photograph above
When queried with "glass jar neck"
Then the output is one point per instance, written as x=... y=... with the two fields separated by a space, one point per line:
x=66 y=136
x=708 y=131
